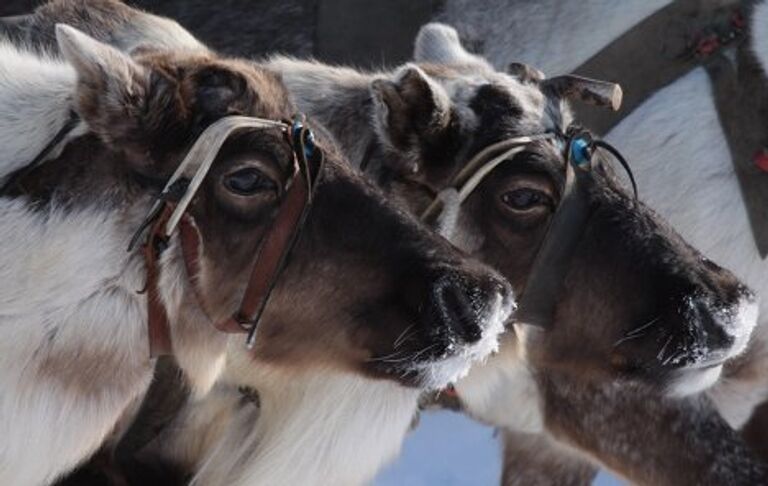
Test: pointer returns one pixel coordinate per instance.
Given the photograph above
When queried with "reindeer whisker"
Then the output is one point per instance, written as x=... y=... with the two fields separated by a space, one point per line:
x=403 y=337
x=644 y=326
x=428 y=348
x=660 y=355
x=384 y=358
x=637 y=332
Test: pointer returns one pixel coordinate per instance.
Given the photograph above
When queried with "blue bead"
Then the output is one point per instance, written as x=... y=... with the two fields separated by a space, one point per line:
x=580 y=152
x=309 y=140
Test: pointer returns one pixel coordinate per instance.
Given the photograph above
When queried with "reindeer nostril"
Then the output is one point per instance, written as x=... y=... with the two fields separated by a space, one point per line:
x=456 y=305
x=711 y=332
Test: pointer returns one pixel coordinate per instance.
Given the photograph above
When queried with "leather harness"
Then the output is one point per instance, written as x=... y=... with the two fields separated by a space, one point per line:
x=553 y=258
x=170 y=211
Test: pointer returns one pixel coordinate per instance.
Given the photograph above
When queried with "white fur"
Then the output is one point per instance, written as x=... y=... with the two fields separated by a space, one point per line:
x=68 y=288
x=346 y=426
x=435 y=375
x=27 y=124
x=690 y=381
x=323 y=427
x=673 y=141
x=502 y=392
x=760 y=34
x=440 y=44
x=73 y=342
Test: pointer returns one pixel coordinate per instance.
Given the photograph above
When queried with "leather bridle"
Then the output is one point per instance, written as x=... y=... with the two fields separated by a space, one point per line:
x=170 y=212
x=553 y=258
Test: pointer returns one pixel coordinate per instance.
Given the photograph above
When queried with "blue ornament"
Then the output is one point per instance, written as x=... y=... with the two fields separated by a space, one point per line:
x=580 y=152
x=309 y=139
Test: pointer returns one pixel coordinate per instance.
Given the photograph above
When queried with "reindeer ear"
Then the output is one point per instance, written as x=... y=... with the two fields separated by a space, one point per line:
x=409 y=108
x=111 y=86
x=439 y=44
x=220 y=92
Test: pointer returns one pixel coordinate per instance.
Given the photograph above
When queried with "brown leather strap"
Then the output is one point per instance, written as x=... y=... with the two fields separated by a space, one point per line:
x=272 y=254
x=158 y=328
x=191 y=246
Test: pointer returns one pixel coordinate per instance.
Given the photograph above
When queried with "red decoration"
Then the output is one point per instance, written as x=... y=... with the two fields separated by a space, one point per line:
x=761 y=160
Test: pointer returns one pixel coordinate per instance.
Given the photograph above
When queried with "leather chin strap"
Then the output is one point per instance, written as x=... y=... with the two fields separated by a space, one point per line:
x=272 y=253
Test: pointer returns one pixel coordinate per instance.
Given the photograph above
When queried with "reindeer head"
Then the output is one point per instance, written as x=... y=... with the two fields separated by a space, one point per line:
x=634 y=299
x=366 y=288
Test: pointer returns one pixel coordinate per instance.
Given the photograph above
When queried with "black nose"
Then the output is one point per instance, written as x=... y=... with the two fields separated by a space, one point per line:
x=710 y=331
x=457 y=306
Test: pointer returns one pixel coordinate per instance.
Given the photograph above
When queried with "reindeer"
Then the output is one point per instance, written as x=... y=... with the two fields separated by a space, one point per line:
x=677 y=123
x=325 y=89
x=500 y=393
x=427 y=120
x=75 y=319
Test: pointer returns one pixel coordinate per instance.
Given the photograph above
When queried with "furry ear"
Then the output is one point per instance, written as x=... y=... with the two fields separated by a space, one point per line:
x=409 y=108
x=111 y=86
x=439 y=44
x=220 y=92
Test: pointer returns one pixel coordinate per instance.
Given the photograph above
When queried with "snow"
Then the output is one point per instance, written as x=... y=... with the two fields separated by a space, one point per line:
x=449 y=449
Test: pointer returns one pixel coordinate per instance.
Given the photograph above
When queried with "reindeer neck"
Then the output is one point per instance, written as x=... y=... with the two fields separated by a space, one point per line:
x=646 y=438
x=337 y=97
x=308 y=409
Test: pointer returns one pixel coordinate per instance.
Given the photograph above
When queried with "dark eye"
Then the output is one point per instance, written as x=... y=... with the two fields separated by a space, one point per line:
x=524 y=199
x=247 y=182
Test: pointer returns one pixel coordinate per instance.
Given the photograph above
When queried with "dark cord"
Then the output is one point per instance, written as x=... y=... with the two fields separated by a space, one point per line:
x=613 y=151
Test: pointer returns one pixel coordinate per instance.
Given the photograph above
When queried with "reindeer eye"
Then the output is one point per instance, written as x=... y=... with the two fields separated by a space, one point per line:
x=524 y=199
x=247 y=182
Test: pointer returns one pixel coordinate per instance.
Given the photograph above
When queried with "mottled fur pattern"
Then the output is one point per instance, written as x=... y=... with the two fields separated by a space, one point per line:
x=689 y=132
x=76 y=353
x=355 y=142
x=707 y=451
x=482 y=391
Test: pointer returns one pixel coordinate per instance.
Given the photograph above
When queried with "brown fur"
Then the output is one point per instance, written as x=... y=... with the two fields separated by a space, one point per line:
x=605 y=433
x=511 y=247
x=145 y=124
x=526 y=455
